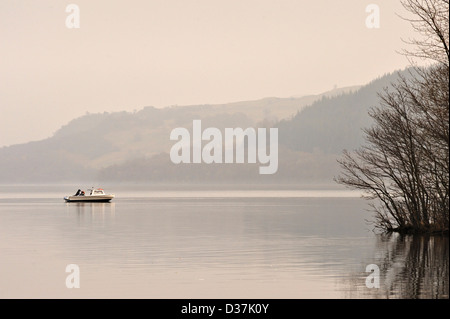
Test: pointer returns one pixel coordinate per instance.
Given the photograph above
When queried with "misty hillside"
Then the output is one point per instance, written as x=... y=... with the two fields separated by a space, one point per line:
x=125 y=146
x=333 y=124
x=309 y=144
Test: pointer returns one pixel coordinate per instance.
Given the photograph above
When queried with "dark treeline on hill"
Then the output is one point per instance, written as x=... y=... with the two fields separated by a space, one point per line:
x=294 y=168
x=333 y=124
x=135 y=146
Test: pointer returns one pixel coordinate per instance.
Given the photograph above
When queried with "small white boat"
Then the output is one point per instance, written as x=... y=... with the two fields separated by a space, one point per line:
x=95 y=195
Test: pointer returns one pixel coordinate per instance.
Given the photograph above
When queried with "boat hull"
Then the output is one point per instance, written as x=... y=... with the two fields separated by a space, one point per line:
x=89 y=198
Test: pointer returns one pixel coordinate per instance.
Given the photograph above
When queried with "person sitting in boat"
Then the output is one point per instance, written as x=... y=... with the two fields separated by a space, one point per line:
x=82 y=193
x=78 y=192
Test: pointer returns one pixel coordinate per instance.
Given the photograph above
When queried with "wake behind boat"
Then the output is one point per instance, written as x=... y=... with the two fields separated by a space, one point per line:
x=95 y=195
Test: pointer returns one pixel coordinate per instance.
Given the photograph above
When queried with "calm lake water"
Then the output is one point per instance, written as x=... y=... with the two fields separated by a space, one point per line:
x=209 y=243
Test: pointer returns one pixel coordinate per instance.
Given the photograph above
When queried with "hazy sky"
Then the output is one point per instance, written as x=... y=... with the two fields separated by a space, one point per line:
x=136 y=53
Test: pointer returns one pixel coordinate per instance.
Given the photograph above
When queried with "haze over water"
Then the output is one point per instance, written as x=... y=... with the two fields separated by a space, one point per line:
x=214 y=243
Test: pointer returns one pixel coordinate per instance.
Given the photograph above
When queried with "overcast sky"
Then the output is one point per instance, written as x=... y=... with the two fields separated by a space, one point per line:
x=136 y=53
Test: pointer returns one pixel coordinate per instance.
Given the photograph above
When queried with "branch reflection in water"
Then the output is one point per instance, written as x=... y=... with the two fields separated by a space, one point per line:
x=411 y=267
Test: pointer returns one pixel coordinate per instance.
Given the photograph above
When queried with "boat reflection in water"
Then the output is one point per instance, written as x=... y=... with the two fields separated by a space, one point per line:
x=91 y=212
x=410 y=267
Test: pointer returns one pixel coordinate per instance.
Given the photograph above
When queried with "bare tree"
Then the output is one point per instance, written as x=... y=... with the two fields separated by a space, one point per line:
x=404 y=165
x=430 y=21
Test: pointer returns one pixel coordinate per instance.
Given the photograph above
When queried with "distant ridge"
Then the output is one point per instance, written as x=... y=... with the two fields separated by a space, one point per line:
x=333 y=92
